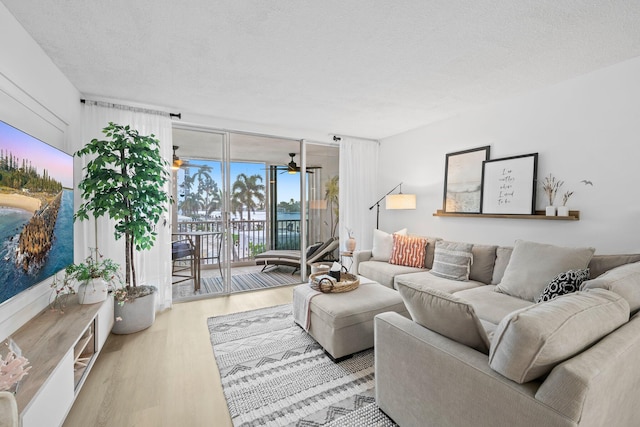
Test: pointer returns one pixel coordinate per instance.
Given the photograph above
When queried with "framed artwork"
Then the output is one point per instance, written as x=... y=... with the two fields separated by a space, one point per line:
x=463 y=180
x=509 y=185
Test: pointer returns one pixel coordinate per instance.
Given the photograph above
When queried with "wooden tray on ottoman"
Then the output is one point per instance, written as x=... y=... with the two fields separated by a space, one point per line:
x=348 y=282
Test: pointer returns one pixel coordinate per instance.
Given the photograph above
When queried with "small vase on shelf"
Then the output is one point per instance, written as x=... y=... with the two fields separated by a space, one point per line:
x=550 y=211
x=350 y=244
x=563 y=211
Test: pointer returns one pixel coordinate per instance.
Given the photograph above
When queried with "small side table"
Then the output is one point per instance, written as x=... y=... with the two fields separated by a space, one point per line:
x=346 y=257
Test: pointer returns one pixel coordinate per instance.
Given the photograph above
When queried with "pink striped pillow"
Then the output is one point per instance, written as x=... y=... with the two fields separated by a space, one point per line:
x=408 y=250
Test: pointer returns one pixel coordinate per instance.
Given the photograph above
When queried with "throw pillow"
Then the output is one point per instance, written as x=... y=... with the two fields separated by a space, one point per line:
x=445 y=314
x=383 y=244
x=564 y=283
x=528 y=343
x=532 y=266
x=623 y=280
x=452 y=260
x=408 y=250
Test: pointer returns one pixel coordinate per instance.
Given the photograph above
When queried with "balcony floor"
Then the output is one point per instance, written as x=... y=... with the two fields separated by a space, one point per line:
x=244 y=279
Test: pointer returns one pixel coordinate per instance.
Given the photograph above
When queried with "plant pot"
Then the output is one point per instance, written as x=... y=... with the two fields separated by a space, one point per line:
x=550 y=211
x=135 y=315
x=563 y=211
x=351 y=244
x=92 y=291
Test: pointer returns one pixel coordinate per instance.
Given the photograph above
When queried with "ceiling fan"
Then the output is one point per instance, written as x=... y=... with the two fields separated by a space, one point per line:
x=292 y=167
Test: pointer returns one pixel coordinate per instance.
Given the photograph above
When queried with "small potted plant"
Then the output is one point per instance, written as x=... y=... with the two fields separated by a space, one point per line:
x=551 y=187
x=564 y=210
x=94 y=277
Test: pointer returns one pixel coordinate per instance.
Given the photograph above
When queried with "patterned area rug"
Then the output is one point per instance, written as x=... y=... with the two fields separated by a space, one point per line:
x=239 y=283
x=274 y=374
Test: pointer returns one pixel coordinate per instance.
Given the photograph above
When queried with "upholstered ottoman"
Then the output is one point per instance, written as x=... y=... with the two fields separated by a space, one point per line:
x=342 y=323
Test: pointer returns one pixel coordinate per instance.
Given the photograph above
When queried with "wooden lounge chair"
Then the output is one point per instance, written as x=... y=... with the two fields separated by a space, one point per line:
x=291 y=258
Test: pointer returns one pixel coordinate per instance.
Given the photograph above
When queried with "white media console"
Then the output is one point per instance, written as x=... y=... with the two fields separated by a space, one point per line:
x=61 y=349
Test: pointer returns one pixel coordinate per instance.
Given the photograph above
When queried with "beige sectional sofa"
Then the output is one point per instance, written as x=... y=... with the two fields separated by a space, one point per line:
x=591 y=344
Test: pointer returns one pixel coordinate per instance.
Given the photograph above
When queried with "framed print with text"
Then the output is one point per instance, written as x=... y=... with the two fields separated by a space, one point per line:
x=463 y=180
x=509 y=185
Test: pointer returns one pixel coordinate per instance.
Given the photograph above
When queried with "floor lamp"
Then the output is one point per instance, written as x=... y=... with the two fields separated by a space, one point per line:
x=394 y=201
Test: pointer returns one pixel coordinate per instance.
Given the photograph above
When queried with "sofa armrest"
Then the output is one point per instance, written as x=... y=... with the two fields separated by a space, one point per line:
x=358 y=257
x=423 y=378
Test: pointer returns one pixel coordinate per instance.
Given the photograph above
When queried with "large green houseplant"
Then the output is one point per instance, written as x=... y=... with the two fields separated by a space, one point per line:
x=125 y=180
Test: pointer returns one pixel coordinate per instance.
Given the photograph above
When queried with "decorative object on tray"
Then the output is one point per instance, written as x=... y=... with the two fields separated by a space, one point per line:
x=509 y=185
x=322 y=282
x=463 y=180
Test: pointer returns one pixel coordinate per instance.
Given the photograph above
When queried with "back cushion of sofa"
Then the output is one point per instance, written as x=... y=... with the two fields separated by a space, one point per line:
x=503 y=254
x=529 y=342
x=623 y=280
x=431 y=249
x=533 y=265
x=600 y=264
x=484 y=258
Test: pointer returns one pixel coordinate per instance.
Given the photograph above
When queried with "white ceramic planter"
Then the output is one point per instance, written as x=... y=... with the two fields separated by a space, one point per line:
x=563 y=211
x=550 y=211
x=136 y=315
x=93 y=291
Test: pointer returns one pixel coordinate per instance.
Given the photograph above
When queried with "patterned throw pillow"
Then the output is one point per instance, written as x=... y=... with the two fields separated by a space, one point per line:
x=564 y=283
x=408 y=250
x=452 y=260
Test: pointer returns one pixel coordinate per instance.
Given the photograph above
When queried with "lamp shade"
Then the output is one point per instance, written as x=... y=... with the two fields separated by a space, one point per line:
x=400 y=201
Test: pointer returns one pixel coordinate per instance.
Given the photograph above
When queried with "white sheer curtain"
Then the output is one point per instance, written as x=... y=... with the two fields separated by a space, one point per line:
x=153 y=267
x=358 y=190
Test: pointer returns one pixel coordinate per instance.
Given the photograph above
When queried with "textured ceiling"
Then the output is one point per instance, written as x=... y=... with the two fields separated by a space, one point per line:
x=369 y=68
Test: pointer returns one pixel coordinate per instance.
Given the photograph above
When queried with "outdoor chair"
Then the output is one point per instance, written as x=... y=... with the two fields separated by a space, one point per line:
x=316 y=252
x=183 y=260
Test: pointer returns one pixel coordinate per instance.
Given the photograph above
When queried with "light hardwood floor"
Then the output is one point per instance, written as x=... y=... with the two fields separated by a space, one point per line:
x=167 y=374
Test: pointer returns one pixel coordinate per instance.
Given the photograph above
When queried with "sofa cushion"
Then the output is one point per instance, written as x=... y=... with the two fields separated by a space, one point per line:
x=563 y=283
x=383 y=272
x=452 y=260
x=623 y=280
x=530 y=342
x=383 y=244
x=445 y=314
x=503 y=255
x=492 y=306
x=424 y=279
x=600 y=264
x=484 y=258
x=408 y=250
x=532 y=266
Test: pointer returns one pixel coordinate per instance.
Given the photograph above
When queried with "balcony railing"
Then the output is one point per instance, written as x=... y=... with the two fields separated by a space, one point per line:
x=249 y=238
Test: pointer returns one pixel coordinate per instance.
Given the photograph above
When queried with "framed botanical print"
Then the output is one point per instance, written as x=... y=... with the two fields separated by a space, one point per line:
x=509 y=185
x=463 y=180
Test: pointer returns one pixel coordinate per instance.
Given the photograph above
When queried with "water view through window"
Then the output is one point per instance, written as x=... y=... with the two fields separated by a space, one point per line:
x=200 y=197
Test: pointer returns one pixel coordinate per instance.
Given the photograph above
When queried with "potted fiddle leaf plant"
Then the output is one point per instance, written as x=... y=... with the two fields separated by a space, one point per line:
x=125 y=180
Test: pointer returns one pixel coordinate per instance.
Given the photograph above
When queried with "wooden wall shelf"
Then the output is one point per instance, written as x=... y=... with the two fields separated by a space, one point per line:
x=573 y=216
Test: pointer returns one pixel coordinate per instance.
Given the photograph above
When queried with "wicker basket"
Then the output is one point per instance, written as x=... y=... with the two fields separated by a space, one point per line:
x=348 y=282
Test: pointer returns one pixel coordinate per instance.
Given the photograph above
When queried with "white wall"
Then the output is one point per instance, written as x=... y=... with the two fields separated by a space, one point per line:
x=584 y=128
x=38 y=99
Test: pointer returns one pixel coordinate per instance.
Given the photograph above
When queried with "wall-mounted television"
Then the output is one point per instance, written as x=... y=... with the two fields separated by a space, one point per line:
x=36 y=211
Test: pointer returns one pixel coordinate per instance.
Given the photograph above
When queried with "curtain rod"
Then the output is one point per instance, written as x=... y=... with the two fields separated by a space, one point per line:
x=129 y=108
